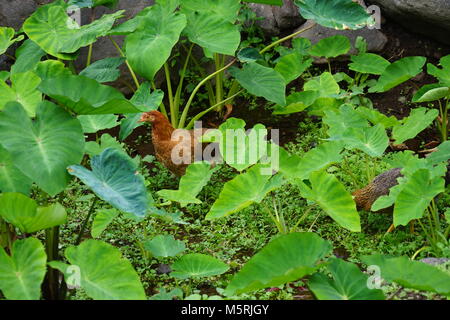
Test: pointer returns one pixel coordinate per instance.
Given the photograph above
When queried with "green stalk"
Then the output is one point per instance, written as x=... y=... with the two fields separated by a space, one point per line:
x=273 y=44
x=85 y=222
x=51 y=286
x=219 y=78
x=180 y=84
x=161 y=106
x=191 y=98
x=89 y=57
x=201 y=114
x=170 y=93
x=133 y=75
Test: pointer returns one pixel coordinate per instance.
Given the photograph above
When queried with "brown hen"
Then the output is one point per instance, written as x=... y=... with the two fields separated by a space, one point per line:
x=166 y=138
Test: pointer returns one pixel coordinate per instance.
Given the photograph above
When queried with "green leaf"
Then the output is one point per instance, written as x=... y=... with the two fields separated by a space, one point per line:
x=145 y=100
x=36 y=146
x=375 y=117
x=213 y=33
x=57 y=34
x=196 y=177
x=24 y=213
x=292 y=66
x=27 y=57
x=106 y=141
x=399 y=72
x=331 y=47
x=11 y=178
x=22 y=273
x=271 y=2
x=224 y=9
x=336 y=14
x=164 y=246
x=97 y=122
x=164 y=295
x=442 y=74
x=411 y=274
x=102 y=220
x=105 y=274
x=294 y=167
x=333 y=198
x=261 y=81
x=285 y=259
x=114 y=179
x=249 y=55
x=442 y=153
x=348 y=283
x=325 y=85
x=373 y=140
x=238 y=148
x=7 y=38
x=23 y=90
x=51 y=68
x=197 y=265
x=105 y=70
x=342 y=120
x=149 y=47
x=86 y=96
x=415 y=196
x=368 y=63
x=241 y=192
x=418 y=120
x=4 y=75
x=431 y=92
x=297 y=102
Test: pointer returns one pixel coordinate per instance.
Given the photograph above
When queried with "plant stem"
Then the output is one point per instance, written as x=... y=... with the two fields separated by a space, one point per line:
x=170 y=93
x=133 y=75
x=180 y=84
x=191 y=98
x=201 y=114
x=219 y=79
x=273 y=44
x=83 y=226
x=89 y=57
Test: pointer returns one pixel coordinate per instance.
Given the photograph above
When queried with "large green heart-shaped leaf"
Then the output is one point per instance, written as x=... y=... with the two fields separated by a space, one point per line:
x=333 y=198
x=196 y=177
x=418 y=120
x=149 y=47
x=212 y=32
x=11 y=178
x=27 y=57
x=244 y=190
x=331 y=47
x=373 y=140
x=336 y=14
x=105 y=70
x=325 y=85
x=196 y=265
x=431 y=92
x=297 y=102
x=286 y=258
x=165 y=246
x=368 y=63
x=376 y=117
x=238 y=148
x=348 y=283
x=415 y=196
x=24 y=213
x=86 y=96
x=104 y=273
x=442 y=74
x=340 y=121
x=23 y=90
x=399 y=72
x=93 y=3
x=411 y=274
x=145 y=100
x=22 y=273
x=42 y=149
x=51 y=68
x=7 y=38
x=114 y=179
x=442 y=153
x=261 y=81
x=57 y=34
x=106 y=141
x=97 y=122
x=291 y=66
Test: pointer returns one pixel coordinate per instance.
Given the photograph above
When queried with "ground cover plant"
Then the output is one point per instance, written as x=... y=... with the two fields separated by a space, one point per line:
x=85 y=216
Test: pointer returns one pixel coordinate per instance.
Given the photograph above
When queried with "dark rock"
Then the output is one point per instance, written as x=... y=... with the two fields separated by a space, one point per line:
x=429 y=17
x=277 y=19
x=163 y=269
